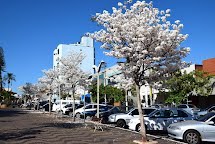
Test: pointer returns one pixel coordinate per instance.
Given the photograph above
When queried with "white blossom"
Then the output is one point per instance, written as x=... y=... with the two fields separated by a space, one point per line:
x=168 y=11
x=120 y=4
x=145 y=38
x=177 y=21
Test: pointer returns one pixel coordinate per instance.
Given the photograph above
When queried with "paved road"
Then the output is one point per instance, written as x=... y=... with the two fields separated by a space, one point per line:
x=23 y=127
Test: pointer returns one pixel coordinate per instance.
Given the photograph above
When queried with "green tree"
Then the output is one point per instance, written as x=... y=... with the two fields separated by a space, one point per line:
x=181 y=86
x=110 y=91
x=6 y=96
x=2 y=67
x=9 y=78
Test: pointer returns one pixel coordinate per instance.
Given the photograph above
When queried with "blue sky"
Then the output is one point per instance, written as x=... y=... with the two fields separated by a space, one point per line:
x=31 y=29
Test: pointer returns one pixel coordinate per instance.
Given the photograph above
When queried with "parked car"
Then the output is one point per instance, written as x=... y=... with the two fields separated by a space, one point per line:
x=40 y=106
x=89 y=107
x=157 y=105
x=190 y=108
x=195 y=131
x=66 y=108
x=205 y=111
x=69 y=109
x=92 y=113
x=104 y=115
x=122 y=119
x=27 y=105
x=59 y=104
x=160 y=119
x=46 y=107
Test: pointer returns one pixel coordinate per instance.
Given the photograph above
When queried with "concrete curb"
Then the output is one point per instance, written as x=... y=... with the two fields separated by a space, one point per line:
x=156 y=137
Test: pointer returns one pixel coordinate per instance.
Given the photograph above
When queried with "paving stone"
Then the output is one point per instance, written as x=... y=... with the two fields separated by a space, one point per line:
x=18 y=126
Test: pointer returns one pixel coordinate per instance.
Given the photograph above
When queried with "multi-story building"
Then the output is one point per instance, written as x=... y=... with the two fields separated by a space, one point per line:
x=85 y=46
x=207 y=66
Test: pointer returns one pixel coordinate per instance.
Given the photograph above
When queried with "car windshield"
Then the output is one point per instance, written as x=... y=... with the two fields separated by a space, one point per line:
x=208 y=108
x=191 y=106
x=129 y=111
x=206 y=117
x=148 y=111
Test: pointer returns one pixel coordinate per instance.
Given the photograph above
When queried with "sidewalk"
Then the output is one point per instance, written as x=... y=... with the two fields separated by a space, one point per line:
x=28 y=127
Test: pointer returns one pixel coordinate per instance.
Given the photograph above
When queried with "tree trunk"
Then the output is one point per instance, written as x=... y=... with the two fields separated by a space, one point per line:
x=9 y=92
x=1 y=85
x=150 y=95
x=126 y=100
x=142 y=123
x=49 y=104
x=73 y=105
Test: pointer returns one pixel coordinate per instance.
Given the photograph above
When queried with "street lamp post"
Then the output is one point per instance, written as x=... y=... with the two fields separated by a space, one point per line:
x=58 y=70
x=105 y=85
x=59 y=93
x=97 y=95
x=97 y=69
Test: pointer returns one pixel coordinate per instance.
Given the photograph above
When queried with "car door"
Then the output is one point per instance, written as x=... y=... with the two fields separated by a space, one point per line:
x=89 y=107
x=135 y=113
x=209 y=131
x=182 y=116
x=168 y=118
x=160 y=120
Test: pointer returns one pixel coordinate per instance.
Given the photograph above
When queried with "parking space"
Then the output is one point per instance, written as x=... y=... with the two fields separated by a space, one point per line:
x=30 y=127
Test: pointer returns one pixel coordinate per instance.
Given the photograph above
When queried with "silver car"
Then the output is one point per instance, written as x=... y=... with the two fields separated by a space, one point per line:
x=190 y=108
x=193 y=132
x=205 y=111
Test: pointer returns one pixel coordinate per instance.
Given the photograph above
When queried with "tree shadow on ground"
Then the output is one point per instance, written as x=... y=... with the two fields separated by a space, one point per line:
x=71 y=125
x=24 y=134
x=11 y=112
x=64 y=125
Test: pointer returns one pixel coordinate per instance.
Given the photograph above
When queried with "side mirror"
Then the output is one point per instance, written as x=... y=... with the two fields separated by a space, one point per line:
x=210 y=123
x=154 y=116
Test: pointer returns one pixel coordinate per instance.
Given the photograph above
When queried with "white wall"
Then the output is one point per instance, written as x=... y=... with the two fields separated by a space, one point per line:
x=86 y=47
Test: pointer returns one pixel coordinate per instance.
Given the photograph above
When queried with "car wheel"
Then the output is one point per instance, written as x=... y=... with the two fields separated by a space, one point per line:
x=60 y=112
x=121 y=123
x=138 y=127
x=192 y=137
x=70 y=114
x=78 y=115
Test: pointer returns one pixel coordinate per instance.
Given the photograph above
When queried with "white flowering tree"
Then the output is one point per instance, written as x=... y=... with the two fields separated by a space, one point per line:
x=72 y=74
x=41 y=90
x=50 y=81
x=149 y=43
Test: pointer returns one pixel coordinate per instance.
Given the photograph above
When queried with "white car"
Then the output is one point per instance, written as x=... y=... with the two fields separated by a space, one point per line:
x=66 y=108
x=194 y=132
x=122 y=119
x=161 y=119
x=88 y=107
x=59 y=104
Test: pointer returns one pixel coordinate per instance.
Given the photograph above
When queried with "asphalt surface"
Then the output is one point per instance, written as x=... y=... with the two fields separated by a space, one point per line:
x=18 y=126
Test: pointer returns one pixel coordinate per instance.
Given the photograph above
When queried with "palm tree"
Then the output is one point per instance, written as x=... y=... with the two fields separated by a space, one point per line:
x=2 y=67
x=9 y=78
